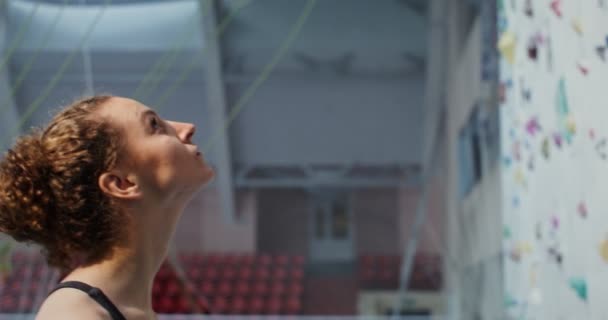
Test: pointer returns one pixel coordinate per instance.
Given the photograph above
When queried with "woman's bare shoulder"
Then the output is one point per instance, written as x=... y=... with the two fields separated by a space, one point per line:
x=71 y=304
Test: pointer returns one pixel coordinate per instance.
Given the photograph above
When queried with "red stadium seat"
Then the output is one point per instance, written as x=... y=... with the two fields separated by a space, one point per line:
x=231 y=260
x=277 y=288
x=34 y=286
x=198 y=260
x=368 y=259
x=172 y=288
x=156 y=288
x=385 y=260
x=242 y=288
x=389 y=278
x=279 y=273
x=246 y=260
x=282 y=260
x=194 y=273
x=189 y=288
x=262 y=273
x=260 y=288
x=264 y=260
x=214 y=260
x=245 y=273
x=203 y=305
x=274 y=306
x=38 y=272
x=182 y=305
x=256 y=305
x=295 y=289
x=8 y=304
x=298 y=261
x=238 y=305
x=220 y=305
x=225 y=288
x=164 y=272
x=293 y=305
x=14 y=287
x=25 y=304
x=166 y=305
x=207 y=288
x=210 y=273
x=228 y=273
x=296 y=274
x=156 y=303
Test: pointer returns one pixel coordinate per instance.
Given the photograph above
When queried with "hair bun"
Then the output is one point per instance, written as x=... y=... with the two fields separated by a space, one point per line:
x=25 y=198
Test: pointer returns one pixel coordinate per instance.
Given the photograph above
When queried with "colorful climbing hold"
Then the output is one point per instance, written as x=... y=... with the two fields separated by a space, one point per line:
x=516 y=151
x=506 y=46
x=506 y=232
x=532 y=50
x=515 y=254
x=545 y=148
x=556 y=6
x=556 y=255
x=563 y=109
x=519 y=177
x=557 y=138
x=579 y=285
x=525 y=247
x=577 y=26
x=583 y=67
x=604 y=250
x=510 y=302
x=555 y=222
x=601 y=52
x=528 y=9
x=582 y=210
x=532 y=126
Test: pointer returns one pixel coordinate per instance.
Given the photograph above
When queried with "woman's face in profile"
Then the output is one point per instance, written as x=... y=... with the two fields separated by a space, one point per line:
x=160 y=151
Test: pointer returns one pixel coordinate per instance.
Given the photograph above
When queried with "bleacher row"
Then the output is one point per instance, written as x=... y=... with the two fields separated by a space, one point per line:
x=231 y=284
x=27 y=284
x=382 y=272
x=225 y=284
x=213 y=283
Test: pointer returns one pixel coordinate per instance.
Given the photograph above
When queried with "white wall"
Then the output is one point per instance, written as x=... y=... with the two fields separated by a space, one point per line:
x=545 y=183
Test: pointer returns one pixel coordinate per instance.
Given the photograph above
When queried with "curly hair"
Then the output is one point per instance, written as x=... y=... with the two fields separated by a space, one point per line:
x=49 y=192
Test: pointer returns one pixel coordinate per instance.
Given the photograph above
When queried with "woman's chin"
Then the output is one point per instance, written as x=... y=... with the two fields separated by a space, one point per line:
x=208 y=175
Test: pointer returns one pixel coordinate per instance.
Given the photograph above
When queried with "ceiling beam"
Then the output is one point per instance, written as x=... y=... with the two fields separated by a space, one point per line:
x=8 y=109
x=216 y=100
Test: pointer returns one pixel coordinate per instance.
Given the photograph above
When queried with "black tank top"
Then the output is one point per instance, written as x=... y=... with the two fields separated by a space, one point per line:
x=95 y=294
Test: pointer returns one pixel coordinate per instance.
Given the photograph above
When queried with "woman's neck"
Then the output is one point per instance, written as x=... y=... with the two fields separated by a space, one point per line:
x=126 y=278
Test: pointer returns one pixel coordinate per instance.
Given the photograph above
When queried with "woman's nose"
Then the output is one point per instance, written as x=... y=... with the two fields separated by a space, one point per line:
x=185 y=131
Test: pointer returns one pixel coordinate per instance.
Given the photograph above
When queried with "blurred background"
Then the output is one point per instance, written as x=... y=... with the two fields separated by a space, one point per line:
x=420 y=159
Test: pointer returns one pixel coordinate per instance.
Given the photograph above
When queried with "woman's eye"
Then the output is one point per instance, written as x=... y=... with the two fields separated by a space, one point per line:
x=154 y=123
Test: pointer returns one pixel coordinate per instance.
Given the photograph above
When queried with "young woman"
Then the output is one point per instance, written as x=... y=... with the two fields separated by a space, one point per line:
x=101 y=189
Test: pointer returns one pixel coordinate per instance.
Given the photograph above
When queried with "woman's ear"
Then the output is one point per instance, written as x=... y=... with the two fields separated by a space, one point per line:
x=121 y=186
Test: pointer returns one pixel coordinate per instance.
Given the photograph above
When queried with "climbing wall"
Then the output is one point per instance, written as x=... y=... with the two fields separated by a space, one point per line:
x=554 y=134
